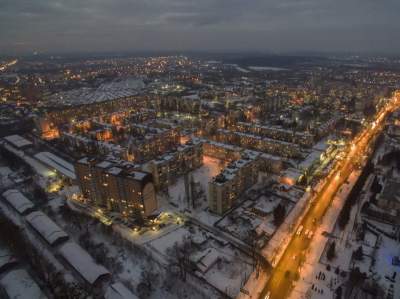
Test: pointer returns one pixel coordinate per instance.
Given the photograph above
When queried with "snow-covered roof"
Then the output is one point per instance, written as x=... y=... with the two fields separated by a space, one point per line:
x=50 y=231
x=391 y=190
x=310 y=160
x=104 y=164
x=6 y=258
x=19 y=284
x=138 y=175
x=114 y=170
x=267 y=228
x=266 y=205
x=5 y=171
x=57 y=163
x=18 y=201
x=322 y=145
x=292 y=173
x=207 y=259
x=223 y=145
x=118 y=291
x=191 y=97
x=17 y=141
x=106 y=92
x=82 y=262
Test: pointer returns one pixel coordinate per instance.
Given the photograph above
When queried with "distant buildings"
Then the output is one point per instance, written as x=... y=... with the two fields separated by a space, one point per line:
x=279 y=133
x=258 y=143
x=47 y=124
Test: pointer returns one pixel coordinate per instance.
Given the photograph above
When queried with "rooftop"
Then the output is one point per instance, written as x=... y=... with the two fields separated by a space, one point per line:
x=18 y=141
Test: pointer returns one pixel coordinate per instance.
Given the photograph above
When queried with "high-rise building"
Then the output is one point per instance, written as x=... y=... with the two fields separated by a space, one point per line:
x=116 y=188
x=232 y=182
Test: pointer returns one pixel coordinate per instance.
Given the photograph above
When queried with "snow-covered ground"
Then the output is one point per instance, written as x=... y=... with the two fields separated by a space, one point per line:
x=5 y=181
x=254 y=216
x=238 y=68
x=266 y=68
x=220 y=264
x=38 y=243
x=203 y=175
x=280 y=239
x=221 y=267
x=226 y=275
x=37 y=166
x=133 y=261
x=19 y=284
x=176 y=199
x=242 y=70
x=44 y=173
x=378 y=251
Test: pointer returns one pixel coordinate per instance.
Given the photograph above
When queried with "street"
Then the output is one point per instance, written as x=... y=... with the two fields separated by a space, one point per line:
x=288 y=269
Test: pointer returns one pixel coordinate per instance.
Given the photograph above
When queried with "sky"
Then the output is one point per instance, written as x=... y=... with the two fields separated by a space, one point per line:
x=199 y=25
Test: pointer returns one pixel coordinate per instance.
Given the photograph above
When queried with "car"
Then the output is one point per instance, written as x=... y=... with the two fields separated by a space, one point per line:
x=299 y=230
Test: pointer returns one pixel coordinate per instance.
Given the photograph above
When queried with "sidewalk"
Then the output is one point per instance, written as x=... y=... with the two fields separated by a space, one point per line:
x=281 y=238
x=276 y=247
x=254 y=286
x=312 y=266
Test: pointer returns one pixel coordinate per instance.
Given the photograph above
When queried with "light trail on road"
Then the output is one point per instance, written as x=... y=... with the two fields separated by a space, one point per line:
x=287 y=270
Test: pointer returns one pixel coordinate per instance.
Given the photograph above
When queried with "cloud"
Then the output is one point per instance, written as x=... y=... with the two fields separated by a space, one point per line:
x=96 y=25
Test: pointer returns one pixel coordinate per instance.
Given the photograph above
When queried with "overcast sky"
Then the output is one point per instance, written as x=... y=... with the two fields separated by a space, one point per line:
x=277 y=25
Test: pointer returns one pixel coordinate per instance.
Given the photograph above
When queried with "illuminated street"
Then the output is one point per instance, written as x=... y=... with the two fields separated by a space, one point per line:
x=288 y=270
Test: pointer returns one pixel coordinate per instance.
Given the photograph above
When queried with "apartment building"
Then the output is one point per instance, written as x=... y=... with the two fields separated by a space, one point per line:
x=233 y=181
x=116 y=188
x=228 y=152
x=153 y=141
x=222 y=151
x=275 y=132
x=258 y=143
x=165 y=169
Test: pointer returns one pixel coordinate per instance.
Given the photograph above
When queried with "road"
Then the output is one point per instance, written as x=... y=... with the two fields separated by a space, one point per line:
x=288 y=269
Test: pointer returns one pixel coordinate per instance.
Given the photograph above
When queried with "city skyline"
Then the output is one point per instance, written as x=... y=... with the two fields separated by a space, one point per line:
x=209 y=149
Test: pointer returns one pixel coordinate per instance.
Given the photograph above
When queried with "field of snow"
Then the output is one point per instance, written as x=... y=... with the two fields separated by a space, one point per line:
x=175 y=200
x=254 y=215
x=132 y=260
x=227 y=274
x=266 y=68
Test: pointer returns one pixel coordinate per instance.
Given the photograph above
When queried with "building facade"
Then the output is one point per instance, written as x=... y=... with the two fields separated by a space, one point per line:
x=225 y=189
x=186 y=158
x=116 y=188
